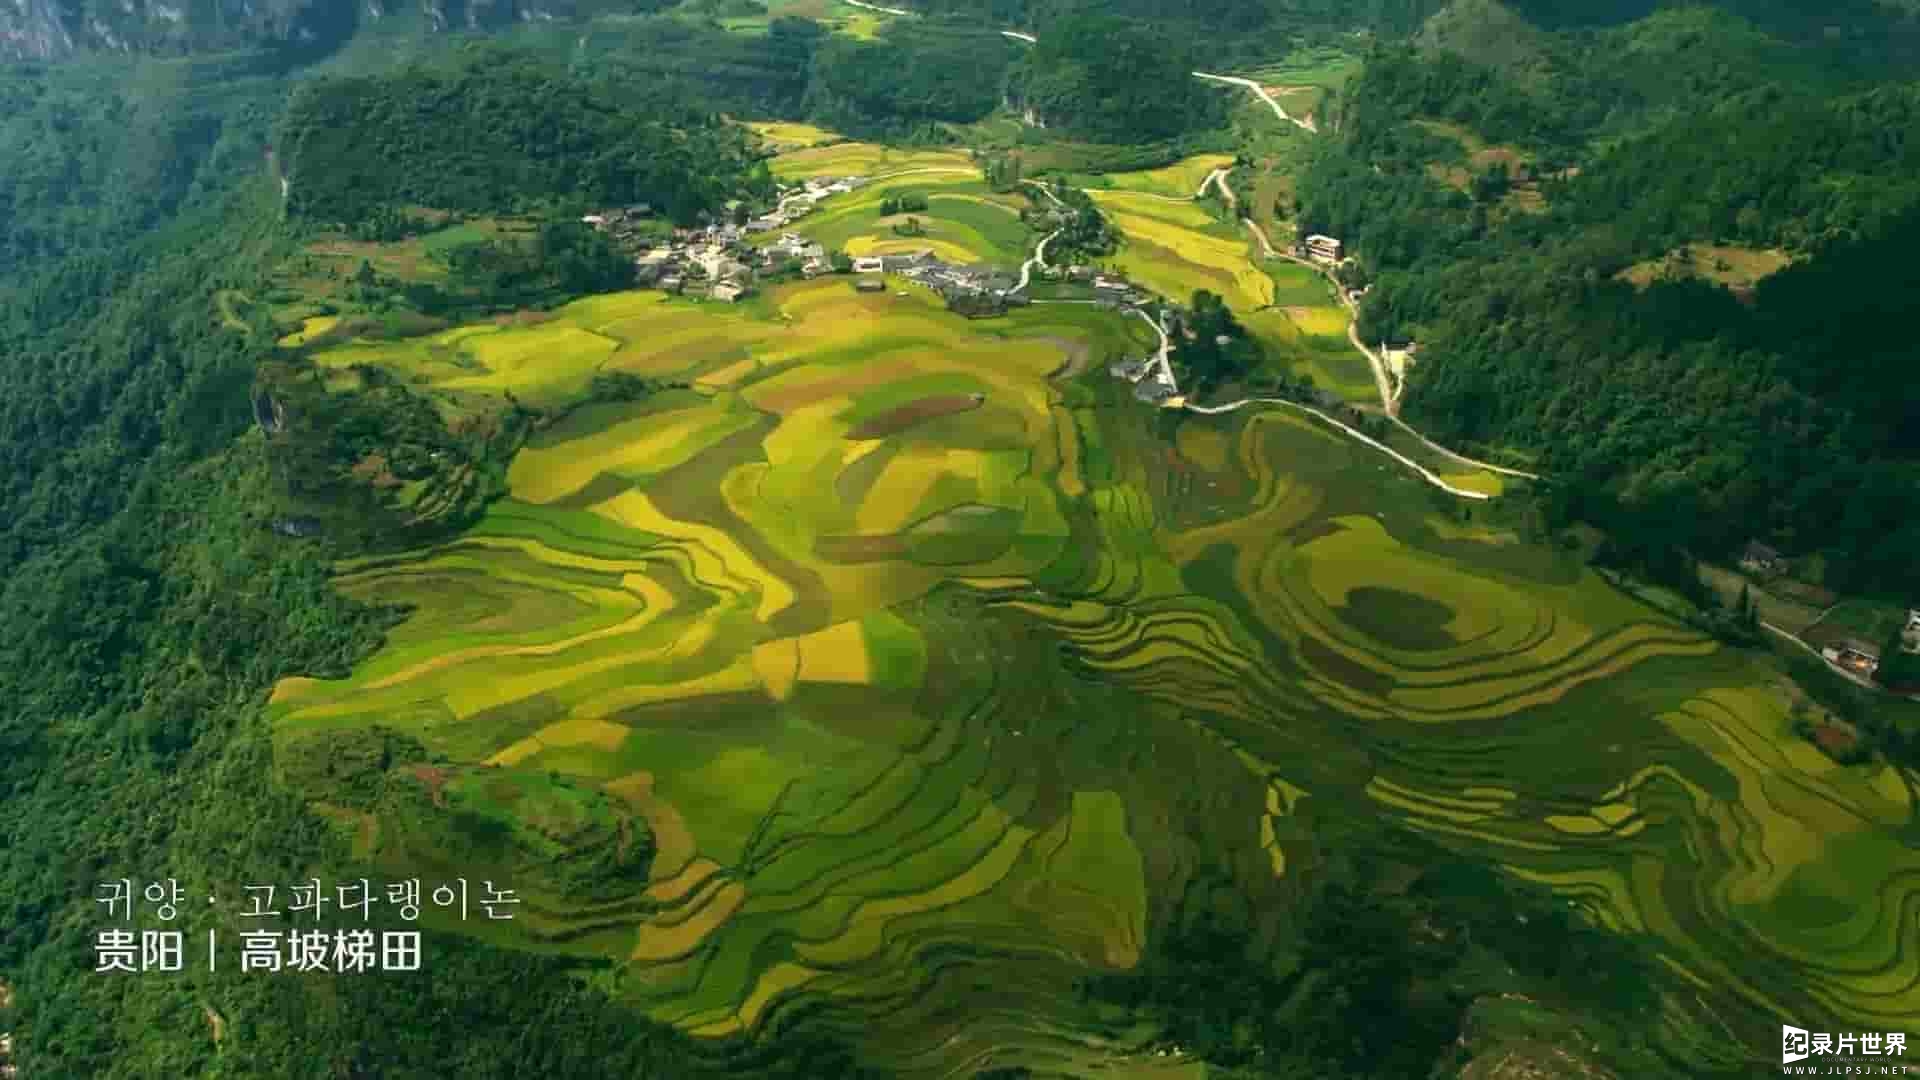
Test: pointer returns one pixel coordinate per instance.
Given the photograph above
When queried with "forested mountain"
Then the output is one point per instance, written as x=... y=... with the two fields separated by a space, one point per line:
x=47 y=29
x=148 y=608
x=503 y=132
x=1686 y=417
x=1114 y=80
x=95 y=153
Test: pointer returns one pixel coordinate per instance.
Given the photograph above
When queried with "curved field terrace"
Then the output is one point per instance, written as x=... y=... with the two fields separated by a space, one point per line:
x=861 y=684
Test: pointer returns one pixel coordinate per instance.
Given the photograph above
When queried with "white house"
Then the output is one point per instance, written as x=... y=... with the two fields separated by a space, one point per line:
x=1323 y=248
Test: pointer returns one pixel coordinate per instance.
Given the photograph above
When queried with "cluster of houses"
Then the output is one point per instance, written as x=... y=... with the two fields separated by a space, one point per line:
x=722 y=261
x=948 y=279
x=797 y=201
x=716 y=261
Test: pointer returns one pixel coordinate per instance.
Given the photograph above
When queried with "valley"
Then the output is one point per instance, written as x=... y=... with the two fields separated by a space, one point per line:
x=974 y=539
x=873 y=624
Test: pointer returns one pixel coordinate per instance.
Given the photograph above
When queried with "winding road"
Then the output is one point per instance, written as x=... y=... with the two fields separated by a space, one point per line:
x=1425 y=473
x=1039 y=259
x=1390 y=389
x=1303 y=123
x=1166 y=348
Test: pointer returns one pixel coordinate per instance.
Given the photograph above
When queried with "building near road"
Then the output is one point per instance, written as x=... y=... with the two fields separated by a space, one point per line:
x=1761 y=559
x=1854 y=656
x=1324 y=249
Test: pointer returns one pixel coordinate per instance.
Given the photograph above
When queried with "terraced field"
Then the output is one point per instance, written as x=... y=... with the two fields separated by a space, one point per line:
x=964 y=222
x=782 y=135
x=860 y=686
x=1175 y=247
x=866 y=159
x=1179 y=180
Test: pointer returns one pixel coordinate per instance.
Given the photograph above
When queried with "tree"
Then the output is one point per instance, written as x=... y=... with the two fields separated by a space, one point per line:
x=1899 y=669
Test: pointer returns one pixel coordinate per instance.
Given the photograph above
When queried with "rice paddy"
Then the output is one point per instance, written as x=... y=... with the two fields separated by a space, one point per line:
x=1179 y=180
x=784 y=136
x=862 y=685
x=866 y=159
x=964 y=222
x=1175 y=246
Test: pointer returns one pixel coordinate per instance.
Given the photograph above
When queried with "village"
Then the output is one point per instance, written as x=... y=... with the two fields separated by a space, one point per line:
x=724 y=261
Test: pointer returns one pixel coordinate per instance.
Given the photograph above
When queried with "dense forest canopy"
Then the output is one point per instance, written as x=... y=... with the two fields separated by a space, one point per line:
x=1114 y=80
x=1683 y=416
x=501 y=132
x=915 y=75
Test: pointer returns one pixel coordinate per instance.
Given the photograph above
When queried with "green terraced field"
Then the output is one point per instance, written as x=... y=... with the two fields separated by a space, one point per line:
x=809 y=699
x=964 y=222
x=867 y=159
x=1174 y=246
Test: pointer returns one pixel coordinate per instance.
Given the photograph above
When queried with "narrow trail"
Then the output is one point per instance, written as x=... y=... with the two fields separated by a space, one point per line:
x=1303 y=123
x=878 y=8
x=1218 y=178
x=1260 y=234
x=1047 y=191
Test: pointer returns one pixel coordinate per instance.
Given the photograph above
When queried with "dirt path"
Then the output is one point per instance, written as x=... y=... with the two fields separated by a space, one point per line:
x=1260 y=234
x=1261 y=93
x=1425 y=473
x=1045 y=190
x=1039 y=259
x=1218 y=178
x=878 y=8
x=1166 y=348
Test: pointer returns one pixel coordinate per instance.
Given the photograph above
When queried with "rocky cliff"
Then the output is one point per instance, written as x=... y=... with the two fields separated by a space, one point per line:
x=52 y=29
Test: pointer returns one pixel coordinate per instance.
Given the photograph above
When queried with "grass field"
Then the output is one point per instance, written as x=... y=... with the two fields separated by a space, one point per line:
x=861 y=684
x=1734 y=267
